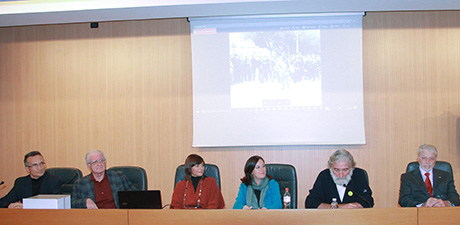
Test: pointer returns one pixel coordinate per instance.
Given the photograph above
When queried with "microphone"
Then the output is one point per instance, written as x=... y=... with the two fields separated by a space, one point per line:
x=359 y=196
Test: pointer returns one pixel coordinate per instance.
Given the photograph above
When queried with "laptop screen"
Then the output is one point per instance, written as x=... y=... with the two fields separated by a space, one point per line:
x=140 y=199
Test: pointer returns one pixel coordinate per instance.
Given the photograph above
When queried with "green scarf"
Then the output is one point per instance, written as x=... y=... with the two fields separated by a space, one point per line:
x=251 y=199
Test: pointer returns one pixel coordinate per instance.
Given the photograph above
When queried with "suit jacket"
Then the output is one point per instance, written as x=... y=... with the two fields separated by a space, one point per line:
x=211 y=197
x=84 y=188
x=23 y=188
x=325 y=189
x=413 y=190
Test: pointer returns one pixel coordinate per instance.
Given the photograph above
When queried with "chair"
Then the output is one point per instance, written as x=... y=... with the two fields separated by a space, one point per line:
x=68 y=175
x=286 y=177
x=440 y=165
x=211 y=170
x=135 y=174
x=366 y=176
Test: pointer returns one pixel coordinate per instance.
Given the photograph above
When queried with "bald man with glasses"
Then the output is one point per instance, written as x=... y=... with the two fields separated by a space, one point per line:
x=99 y=190
x=37 y=182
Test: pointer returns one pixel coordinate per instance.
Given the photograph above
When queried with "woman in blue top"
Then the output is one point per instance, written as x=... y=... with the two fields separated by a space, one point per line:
x=257 y=190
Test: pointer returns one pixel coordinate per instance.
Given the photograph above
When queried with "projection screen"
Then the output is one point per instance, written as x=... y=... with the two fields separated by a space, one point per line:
x=277 y=80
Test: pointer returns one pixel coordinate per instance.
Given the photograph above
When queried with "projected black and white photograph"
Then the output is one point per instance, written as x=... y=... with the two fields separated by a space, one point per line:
x=275 y=69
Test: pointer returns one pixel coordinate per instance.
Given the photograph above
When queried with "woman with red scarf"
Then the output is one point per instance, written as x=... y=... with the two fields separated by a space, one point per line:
x=196 y=191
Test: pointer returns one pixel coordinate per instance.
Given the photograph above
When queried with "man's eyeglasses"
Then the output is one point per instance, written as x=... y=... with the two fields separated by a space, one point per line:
x=35 y=165
x=94 y=162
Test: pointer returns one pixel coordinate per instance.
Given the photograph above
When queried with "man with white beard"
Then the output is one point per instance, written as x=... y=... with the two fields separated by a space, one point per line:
x=342 y=181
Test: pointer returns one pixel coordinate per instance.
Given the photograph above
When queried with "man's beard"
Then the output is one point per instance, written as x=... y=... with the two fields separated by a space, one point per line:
x=341 y=180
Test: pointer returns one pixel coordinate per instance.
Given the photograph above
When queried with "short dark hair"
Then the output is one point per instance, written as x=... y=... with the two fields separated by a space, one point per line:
x=31 y=154
x=191 y=161
x=249 y=167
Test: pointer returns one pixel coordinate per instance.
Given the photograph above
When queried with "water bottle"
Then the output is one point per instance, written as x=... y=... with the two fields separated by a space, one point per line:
x=334 y=204
x=287 y=199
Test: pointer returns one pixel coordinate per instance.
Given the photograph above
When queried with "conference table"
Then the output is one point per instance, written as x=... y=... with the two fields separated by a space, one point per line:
x=388 y=216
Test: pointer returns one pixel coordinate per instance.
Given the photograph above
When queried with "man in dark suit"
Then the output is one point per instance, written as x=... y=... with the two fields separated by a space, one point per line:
x=37 y=182
x=344 y=182
x=426 y=186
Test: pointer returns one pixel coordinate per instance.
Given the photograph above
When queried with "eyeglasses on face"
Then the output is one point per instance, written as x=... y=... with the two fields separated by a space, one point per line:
x=35 y=165
x=94 y=162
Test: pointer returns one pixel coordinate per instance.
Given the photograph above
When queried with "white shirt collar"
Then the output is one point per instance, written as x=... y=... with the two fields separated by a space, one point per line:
x=341 y=190
x=423 y=173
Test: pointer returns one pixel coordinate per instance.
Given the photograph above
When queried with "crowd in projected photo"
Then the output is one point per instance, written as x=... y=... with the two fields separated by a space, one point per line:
x=274 y=65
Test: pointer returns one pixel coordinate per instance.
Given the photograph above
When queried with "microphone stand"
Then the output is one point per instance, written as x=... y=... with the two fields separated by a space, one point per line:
x=359 y=196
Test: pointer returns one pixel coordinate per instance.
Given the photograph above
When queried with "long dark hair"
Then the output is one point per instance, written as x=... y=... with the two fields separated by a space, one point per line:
x=191 y=161
x=249 y=167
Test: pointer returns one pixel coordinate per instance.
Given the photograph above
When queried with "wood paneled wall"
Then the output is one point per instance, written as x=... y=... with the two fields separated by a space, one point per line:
x=126 y=88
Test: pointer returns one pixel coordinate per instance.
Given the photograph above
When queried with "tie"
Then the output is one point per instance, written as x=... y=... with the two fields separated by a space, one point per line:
x=428 y=184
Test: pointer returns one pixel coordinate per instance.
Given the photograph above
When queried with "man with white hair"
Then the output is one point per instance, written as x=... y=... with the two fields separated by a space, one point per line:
x=344 y=182
x=99 y=189
x=427 y=186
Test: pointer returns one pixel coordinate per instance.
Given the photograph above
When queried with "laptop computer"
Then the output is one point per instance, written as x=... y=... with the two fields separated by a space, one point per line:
x=140 y=199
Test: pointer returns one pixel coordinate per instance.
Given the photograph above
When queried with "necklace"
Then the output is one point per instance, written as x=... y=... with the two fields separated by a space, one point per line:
x=199 y=195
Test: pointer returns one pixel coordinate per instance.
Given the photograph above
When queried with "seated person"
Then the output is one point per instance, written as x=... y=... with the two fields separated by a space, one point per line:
x=196 y=191
x=342 y=181
x=257 y=190
x=99 y=190
x=37 y=182
x=427 y=186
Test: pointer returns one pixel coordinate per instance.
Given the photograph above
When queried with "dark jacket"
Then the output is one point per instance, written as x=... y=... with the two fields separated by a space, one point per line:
x=23 y=188
x=325 y=189
x=413 y=190
x=84 y=188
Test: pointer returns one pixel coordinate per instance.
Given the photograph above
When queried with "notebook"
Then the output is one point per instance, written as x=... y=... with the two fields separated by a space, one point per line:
x=139 y=199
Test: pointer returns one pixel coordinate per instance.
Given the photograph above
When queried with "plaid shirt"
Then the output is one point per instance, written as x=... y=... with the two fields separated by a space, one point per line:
x=84 y=188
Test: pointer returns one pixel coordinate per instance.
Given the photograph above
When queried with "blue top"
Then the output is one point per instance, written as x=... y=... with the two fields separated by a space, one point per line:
x=272 y=196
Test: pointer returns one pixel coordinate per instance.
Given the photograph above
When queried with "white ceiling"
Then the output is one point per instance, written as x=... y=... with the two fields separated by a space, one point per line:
x=18 y=13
